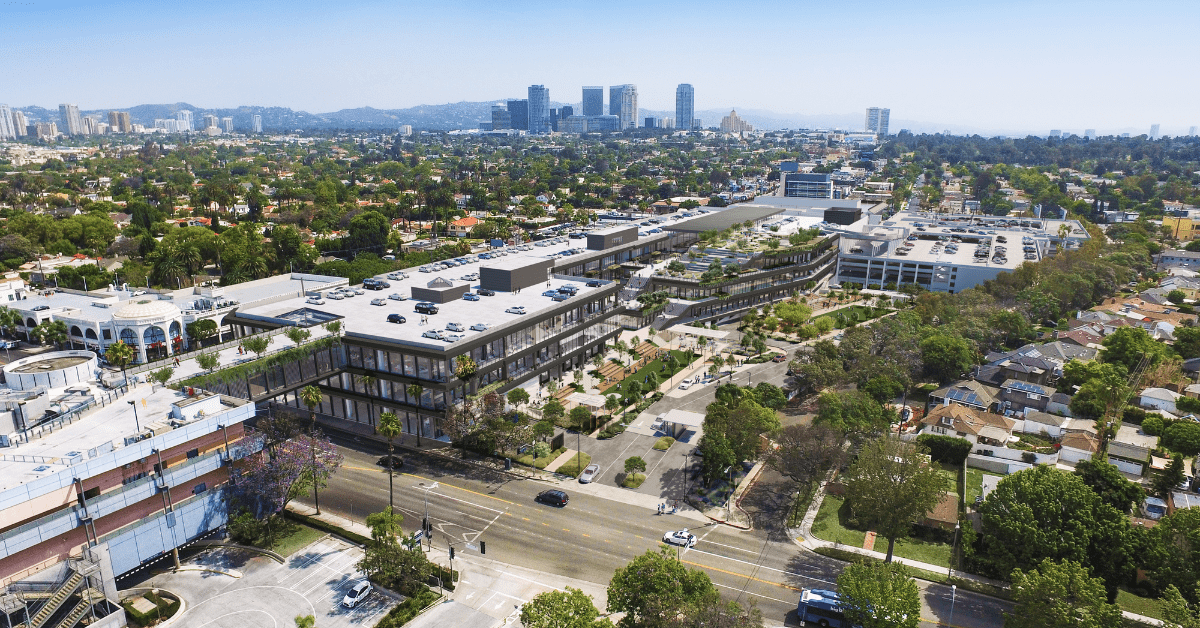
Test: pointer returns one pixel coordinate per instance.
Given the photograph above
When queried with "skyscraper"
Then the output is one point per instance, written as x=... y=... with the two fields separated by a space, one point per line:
x=733 y=123
x=622 y=102
x=518 y=113
x=1192 y=131
x=186 y=122
x=593 y=101
x=20 y=124
x=1055 y=133
x=72 y=121
x=877 y=120
x=256 y=123
x=501 y=119
x=6 y=123
x=211 y=120
x=539 y=109
x=227 y=124
x=1154 y=131
x=118 y=122
x=685 y=106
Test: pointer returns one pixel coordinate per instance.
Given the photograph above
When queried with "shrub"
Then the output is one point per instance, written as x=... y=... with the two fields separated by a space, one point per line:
x=1029 y=457
x=575 y=465
x=408 y=609
x=664 y=443
x=947 y=449
x=1153 y=425
x=1133 y=415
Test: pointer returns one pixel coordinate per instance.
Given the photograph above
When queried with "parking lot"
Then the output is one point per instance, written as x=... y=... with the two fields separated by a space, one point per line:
x=268 y=594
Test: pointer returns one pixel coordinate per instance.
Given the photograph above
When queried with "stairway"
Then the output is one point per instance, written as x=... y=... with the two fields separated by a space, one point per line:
x=90 y=596
x=51 y=606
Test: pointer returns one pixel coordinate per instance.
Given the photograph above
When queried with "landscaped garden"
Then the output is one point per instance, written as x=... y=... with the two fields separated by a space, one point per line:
x=853 y=314
x=656 y=366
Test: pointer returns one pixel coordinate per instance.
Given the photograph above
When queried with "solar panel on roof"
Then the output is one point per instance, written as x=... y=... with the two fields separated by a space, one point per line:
x=1027 y=387
x=965 y=396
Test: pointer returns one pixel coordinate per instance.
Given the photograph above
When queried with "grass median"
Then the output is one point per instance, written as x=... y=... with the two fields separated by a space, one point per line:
x=575 y=465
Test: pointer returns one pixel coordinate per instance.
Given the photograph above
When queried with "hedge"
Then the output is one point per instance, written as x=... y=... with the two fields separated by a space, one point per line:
x=164 y=609
x=946 y=449
x=327 y=527
x=405 y=611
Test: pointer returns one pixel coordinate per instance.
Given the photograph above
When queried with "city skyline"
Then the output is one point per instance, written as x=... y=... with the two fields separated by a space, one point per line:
x=281 y=74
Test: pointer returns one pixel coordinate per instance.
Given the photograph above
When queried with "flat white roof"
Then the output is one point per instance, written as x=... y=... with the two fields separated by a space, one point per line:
x=685 y=418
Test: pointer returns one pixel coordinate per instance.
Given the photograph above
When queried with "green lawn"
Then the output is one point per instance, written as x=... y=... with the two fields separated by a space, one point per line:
x=664 y=443
x=297 y=537
x=853 y=314
x=828 y=526
x=575 y=465
x=528 y=460
x=974 y=485
x=633 y=480
x=1140 y=605
x=684 y=358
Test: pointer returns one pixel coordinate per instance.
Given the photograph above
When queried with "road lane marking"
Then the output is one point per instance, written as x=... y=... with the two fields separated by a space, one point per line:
x=741 y=575
x=744 y=562
x=755 y=552
x=440 y=483
x=765 y=597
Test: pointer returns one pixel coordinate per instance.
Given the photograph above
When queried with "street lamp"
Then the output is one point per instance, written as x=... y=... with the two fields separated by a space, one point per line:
x=135 y=416
x=427 y=488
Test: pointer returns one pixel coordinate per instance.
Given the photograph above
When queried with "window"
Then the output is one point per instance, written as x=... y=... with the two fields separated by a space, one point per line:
x=92 y=493
x=199 y=488
x=193 y=453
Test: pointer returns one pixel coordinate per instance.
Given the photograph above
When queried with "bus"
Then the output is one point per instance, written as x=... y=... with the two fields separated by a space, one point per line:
x=820 y=606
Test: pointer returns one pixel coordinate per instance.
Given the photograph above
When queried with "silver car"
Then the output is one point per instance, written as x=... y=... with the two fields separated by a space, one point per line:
x=589 y=473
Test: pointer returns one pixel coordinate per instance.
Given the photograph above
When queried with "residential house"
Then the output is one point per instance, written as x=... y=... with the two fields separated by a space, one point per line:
x=1052 y=425
x=1081 y=336
x=1130 y=449
x=969 y=393
x=978 y=427
x=1159 y=399
x=1060 y=403
x=461 y=228
x=945 y=514
x=1018 y=396
x=1076 y=446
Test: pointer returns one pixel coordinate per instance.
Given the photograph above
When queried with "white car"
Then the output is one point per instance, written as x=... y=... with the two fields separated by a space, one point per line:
x=682 y=538
x=516 y=309
x=315 y=301
x=479 y=327
x=589 y=473
x=685 y=385
x=396 y=296
x=336 y=296
x=378 y=302
x=659 y=423
x=455 y=327
x=357 y=594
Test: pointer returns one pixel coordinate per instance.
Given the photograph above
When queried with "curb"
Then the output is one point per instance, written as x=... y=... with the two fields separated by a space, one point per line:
x=258 y=550
x=183 y=605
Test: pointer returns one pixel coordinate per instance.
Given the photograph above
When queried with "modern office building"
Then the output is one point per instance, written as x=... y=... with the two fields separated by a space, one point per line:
x=622 y=102
x=573 y=124
x=210 y=121
x=518 y=112
x=877 y=120
x=227 y=124
x=1055 y=133
x=20 y=124
x=807 y=185
x=119 y=122
x=187 y=123
x=539 y=109
x=71 y=120
x=733 y=123
x=6 y=123
x=593 y=101
x=501 y=119
x=1154 y=132
x=256 y=123
x=118 y=478
x=46 y=130
x=603 y=123
x=685 y=106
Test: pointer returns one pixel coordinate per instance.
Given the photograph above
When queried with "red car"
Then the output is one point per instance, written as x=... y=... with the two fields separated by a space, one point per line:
x=779 y=358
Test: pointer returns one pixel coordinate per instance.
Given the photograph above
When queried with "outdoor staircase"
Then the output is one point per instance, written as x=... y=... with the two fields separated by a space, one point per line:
x=60 y=596
x=90 y=596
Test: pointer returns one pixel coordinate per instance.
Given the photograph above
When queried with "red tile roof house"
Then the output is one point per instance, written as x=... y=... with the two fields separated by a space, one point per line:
x=462 y=227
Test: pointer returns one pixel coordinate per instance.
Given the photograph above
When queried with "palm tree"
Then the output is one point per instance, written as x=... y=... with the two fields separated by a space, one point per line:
x=368 y=383
x=414 y=392
x=389 y=426
x=120 y=354
x=311 y=397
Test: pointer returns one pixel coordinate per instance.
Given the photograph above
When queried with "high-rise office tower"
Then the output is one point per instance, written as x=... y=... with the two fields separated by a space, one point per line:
x=114 y=121
x=622 y=102
x=567 y=111
x=593 y=101
x=518 y=113
x=539 y=109
x=46 y=130
x=501 y=119
x=119 y=122
x=72 y=121
x=91 y=125
x=1055 y=133
x=20 y=124
x=877 y=120
x=227 y=124
x=256 y=123
x=1089 y=134
x=685 y=106
x=210 y=120
x=186 y=122
x=1154 y=131
x=6 y=123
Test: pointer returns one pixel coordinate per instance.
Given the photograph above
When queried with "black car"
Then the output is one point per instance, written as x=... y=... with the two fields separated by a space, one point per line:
x=396 y=318
x=553 y=498
x=396 y=462
x=484 y=292
x=426 y=308
x=594 y=284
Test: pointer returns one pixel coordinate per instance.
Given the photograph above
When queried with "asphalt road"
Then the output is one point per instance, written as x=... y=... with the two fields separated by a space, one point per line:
x=593 y=536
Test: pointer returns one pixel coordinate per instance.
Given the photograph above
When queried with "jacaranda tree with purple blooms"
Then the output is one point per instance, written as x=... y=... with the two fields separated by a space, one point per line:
x=270 y=482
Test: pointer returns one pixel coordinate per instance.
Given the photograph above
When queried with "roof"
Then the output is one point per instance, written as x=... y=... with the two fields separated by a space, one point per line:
x=723 y=219
x=1160 y=393
x=968 y=392
x=1045 y=418
x=1081 y=441
x=946 y=511
x=683 y=417
x=469 y=221
x=1027 y=387
x=1133 y=435
x=969 y=421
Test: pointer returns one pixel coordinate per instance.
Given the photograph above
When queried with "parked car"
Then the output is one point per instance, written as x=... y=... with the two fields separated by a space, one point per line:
x=659 y=423
x=516 y=309
x=396 y=318
x=396 y=296
x=470 y=297
x=426 y=308
x=336 y=296
x=589 y=473
x=685 y=385
x=479 y=327
x=779 y=358
x=357 y=594
x=315 y=301
x=553 y=498
x=435 y=334
x=682 y=538
x=455 y=327
x=395 y=462
x=484 y=292
x=378 y=301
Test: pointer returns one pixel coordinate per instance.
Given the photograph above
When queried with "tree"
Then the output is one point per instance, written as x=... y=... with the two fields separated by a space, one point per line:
x=853 y=412
x=311 y=397
x=1187 y=340
x=806 y=453
x=119 y=354
x=612 y=404
x=883 y=389
x=201 y=330
x=946 y=357
x=209 y=361
x=1043 y=513
x=654 y=587
x=879 y=595
x=741 y=421
x=1060 y=594
x=1183 y=437
x=333 y=327
x=50 y=332
x=389 y=428
x=581 y=418
x=1175 y=609
x=297 y=335
x=1108 y=482
x=414 y=392
x=770 y=395
x=569 y=608
x=553 y=410
x=163 y=375
x=714 y=612
x=1174 y=553
x=518 y=396
x=1170 y=478
x=635 y=464
x=891 y=486
x=1176 y=296
x=1127 y=346
x=293 y=465
x=257 y=344
x=391 y=558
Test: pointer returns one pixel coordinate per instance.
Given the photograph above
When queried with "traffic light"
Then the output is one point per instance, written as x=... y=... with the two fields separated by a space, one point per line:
x=483 y=547
x=451 y=552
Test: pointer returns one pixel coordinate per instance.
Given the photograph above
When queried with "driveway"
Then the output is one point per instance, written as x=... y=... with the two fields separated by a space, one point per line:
x=311 y=581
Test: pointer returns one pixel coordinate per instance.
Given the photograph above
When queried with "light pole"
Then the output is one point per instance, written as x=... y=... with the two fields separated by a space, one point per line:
x=427 y=488
x=135 y=416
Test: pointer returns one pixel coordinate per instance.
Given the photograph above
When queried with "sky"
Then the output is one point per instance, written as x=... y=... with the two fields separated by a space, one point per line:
x=987 y=65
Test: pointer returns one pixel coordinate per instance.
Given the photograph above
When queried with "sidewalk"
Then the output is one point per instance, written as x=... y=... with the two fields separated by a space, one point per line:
x=803 y=537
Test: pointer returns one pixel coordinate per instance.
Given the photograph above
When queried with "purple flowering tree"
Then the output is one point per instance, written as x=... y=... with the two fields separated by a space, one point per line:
x=271 y=481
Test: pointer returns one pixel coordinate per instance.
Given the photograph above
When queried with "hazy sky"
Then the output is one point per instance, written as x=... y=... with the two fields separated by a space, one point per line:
x=988 y=64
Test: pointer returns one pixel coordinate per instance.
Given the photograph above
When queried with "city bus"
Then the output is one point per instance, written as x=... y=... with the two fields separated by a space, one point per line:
x=821 y=607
